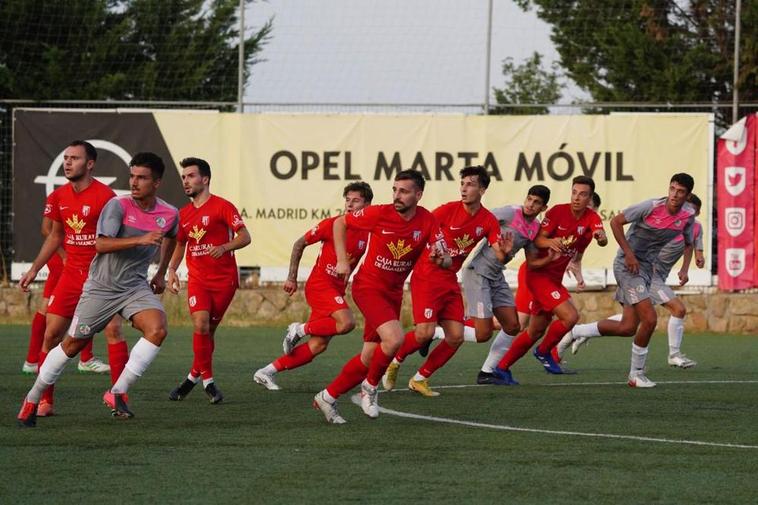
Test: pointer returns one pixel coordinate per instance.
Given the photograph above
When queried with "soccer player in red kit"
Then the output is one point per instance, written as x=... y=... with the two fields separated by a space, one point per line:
x=399 y=234
x=88 y=363
x=207 y=228
x=324 y=290
x=566 y=231
x=74 y=210
x=435 y=291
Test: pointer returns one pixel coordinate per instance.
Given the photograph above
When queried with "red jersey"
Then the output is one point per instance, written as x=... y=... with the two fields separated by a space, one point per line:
x=462 y=232
x=78 y=213
x=212 y=224
x=559 y=222
x=327 y=259
x=395 y=244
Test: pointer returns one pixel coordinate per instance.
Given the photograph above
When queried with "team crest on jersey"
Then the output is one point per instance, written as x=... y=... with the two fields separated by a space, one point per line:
x=339 y=300
x=192 y=301
x=160 y=221
x=428 y=313
x=197 y=233
x=399 y=249
x=463 y=242
x=236 y=220
x=479 y=231
x=358 y=213
x=76 y=224
x=361 y=244
x=205 y=220
x=416 y=235
x=85 y=210
x=84 y=329
x=555 y=294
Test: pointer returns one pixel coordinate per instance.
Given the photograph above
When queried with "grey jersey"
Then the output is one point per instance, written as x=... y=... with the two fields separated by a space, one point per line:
x=652 y=227
x=121 y=217
x=511 y=219
x=674 y=250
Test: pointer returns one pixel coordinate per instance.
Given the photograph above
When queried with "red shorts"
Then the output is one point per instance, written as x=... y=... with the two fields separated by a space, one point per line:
x=546 y=292
x=67 y=291
x=377 y=306
x=436 y=302
x=54 y=269
x=323 y=297
x=523 y=295
x=214 y=300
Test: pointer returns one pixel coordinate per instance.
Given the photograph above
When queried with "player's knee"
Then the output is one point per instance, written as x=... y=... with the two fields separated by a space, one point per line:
x=679 y=312
x=512 y=328
x=482 y=336
x=156 y=335
x=627 y=330
x=345 y=326
x=424 y=334
x=318 y=346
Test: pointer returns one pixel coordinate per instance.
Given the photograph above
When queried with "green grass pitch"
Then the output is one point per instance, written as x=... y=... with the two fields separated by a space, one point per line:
x=272 y=447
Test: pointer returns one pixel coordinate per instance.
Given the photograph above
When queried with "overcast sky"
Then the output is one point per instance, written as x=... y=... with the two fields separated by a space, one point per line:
x=391 y=51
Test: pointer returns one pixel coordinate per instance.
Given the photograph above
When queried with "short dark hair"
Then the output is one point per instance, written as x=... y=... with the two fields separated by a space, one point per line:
x=695 y=200
x=151 y=161
x=540 y=191
x=583 y=179
x=480 y=172
x=202 y=166
x=360 y=187
x=411 y=175
x=89 y=149
x=596 y=201
x=685 y=180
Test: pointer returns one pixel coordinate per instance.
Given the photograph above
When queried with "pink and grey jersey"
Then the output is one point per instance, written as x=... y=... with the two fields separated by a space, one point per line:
x=674 y=250
x=511 y=219
x=122 y=217
x=653 y=226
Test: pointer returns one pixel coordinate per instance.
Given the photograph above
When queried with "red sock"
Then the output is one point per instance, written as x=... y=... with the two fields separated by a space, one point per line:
x=301 y=355
x=351 y=375
x=554 y=334
x=554 y=354
x=378 y=365
x=521 y=344
x=202 y=345
x=118 y=355
x=408 y=347
x=469 y=323
x=437 y=358
x=36 y=338
x=86 y=353
x=324 y=327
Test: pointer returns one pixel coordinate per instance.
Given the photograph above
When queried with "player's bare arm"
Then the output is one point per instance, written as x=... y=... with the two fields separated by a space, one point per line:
x=542 y=241
x=533 y=262
x=575 y=268
x=684 y=272
x=52 y=243
x=238 y=242
x=173 y=283
x=617 y=227
x=105 y=245
x=290 y=285
x=158 y=283
x=699 y=258
x=340 y=237
x=45 y=228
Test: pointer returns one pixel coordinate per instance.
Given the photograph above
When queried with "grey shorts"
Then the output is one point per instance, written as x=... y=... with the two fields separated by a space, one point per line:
x=632 y=288
x=97 y=307
x=483 y=294
x=660 y=293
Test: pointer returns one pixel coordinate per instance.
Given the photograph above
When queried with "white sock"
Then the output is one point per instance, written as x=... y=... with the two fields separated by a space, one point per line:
x=143 y=353
x=301 y=330
x=639 y=356
x=206 y=382
x=616 y=317
x=586 y=330
x=676 y=332
x=48 y=374
x=469 y=334
x=269 y=369
x=499 y=347
x=419 y=377
x=193 y=378
x=329 y=398
x=439 y=333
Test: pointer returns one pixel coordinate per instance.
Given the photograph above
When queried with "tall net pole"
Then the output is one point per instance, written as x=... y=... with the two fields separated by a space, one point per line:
x=735 y=91
x=241 y=62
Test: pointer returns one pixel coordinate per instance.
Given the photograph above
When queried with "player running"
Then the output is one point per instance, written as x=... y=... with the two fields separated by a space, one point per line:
x=324 y=290
x=399 y=234
x=208 y=225
x=130 y=231
x=435 y=292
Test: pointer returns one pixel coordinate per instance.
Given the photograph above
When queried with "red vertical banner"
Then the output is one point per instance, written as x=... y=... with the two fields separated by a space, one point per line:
x=737 y=208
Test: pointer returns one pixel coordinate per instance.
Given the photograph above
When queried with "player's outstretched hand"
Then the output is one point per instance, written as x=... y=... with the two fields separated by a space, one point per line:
x=601 y=237
x=555 y=244
x=217 y=251
x=631 y=263
x=173 y=283
x=290 y=286
x=151 y=238
x=506 y=242
x=158 y=284
x=684 y=277
x=26 y=280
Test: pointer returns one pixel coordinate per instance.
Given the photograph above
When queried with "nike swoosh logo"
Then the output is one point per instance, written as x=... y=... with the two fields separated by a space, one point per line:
x=458 y=228
x=562 y=228
x=385 y=232
x=185 y=225
x=62 y=207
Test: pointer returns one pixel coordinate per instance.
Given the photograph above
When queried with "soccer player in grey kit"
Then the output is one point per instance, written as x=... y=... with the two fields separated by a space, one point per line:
x=130 y=231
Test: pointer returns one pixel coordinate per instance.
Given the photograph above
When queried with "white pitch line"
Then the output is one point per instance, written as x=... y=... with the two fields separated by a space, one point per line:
x=408 y=415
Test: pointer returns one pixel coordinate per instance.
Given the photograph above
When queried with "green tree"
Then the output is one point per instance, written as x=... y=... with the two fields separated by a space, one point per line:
x=528 y=83
x=123 y=49
x=654 y=50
